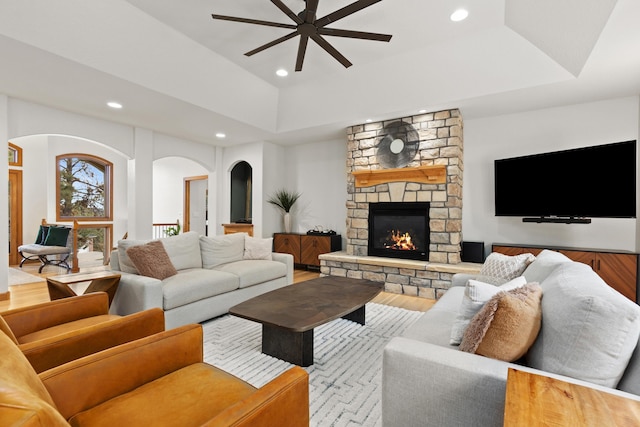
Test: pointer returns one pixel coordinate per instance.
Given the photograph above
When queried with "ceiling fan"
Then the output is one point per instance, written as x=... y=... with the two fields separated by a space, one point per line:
x=308 y=27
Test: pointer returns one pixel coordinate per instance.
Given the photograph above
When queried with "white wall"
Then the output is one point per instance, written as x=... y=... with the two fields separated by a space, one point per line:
x=319 y=172
x=168 y=187
x=491 y=138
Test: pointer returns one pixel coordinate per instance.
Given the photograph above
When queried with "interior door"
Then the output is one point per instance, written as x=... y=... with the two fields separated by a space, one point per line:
x=196 y=211
x=15 y=215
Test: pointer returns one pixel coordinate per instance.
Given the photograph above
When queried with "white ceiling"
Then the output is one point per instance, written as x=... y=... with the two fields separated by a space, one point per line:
x=179 y=72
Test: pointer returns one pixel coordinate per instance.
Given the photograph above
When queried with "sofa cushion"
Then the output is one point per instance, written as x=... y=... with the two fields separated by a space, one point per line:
x=589 y=330
x=476 y=294
x=194 y=285
x=151 y=260
x=505 y=266
x=184 y=250
x=223 y=249
x=252 y=272
x=255 y=248
x=124 y=261
x=543 y=265
x=434 y=326
x=508 y=324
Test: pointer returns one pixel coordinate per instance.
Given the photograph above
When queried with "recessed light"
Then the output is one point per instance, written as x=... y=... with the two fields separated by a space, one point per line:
x=114 y=104
x=422 y=111
x=368 y=120
x=459 y=15
x=220 y=135
x=282 y=72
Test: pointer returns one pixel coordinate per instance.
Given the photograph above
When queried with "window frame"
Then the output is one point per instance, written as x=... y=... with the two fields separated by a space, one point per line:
x=108 y=193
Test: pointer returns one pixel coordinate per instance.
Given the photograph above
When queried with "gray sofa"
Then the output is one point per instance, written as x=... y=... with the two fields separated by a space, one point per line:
x=589 y=335
x=213 y=274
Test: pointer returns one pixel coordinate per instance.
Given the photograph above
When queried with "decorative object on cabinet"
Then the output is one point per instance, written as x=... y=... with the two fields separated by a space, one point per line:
x=618 y=268
x=284 y=199
x=305 y=248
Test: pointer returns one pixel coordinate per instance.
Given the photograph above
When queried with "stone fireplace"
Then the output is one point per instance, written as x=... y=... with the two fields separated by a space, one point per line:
x=431 y=180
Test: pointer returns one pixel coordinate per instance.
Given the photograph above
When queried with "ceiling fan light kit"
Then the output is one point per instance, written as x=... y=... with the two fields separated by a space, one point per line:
x=308 y=27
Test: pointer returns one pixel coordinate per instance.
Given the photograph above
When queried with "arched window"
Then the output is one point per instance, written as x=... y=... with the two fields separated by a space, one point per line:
x=84 y=188
x=15 y=155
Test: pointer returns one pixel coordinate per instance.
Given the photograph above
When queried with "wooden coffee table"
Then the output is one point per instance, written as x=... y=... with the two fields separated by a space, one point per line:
x=288 y=315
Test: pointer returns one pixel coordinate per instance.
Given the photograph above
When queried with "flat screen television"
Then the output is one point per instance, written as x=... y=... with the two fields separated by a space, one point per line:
x=590 y=182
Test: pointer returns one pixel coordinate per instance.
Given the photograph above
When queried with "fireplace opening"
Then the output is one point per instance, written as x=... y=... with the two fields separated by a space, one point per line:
x=399 y=230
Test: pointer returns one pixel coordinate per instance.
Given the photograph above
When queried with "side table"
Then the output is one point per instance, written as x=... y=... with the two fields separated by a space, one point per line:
x=101 y=281
x=536 y=400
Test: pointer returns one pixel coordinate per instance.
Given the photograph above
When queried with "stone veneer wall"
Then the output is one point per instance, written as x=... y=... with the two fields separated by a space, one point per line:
x=441 y=143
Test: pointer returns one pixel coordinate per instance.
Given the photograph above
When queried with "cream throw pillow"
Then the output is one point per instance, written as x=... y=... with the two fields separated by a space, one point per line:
x=256 y=248
x=476 y=294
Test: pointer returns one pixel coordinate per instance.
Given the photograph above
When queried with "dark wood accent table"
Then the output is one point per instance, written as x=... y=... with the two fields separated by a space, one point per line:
x=101 y=281
x=536 y=400
x=288 y=315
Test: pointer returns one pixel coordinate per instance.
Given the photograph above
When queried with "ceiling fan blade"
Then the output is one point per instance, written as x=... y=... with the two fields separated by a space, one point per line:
x=345 y=11
x=331 y=50
x=283 y=7
x=302 y=49
x=270 y=44
x=253 y=21
x=354 y=34
x=310 y=11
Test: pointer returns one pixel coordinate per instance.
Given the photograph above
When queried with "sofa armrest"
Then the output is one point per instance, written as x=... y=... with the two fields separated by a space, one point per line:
x=282 y=402
x=460 y=279
x=54 y=351
x=428 y=385
x=136 y=293
x=120 y=369
x=26 y=320
x=287 y=259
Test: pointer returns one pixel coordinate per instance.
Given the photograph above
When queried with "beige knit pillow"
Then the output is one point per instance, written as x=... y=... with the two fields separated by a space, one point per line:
x=507 y=326
x=504 y=266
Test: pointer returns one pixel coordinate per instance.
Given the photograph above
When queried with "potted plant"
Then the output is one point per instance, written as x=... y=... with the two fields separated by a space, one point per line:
x=285 y=199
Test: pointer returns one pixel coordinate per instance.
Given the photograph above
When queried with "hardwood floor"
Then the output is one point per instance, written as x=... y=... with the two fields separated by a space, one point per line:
x=35 y=293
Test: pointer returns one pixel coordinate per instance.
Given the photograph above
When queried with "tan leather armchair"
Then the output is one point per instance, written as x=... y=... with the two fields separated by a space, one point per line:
x=159 y=380
x=56 y=332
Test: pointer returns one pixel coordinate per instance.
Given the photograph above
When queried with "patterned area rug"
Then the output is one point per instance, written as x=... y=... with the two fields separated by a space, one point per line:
x=19 y=277
x=345 y=379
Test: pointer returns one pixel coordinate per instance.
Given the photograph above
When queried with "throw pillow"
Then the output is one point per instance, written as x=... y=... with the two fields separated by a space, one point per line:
x=152 y=260
x=507 y=326
x=223 y=249
x=589 y=330
x=42 y=234
x=126 y=264
x=255 y=248
x=544 y=264
x=505 y=266
x=476 y=294
x=57 y=236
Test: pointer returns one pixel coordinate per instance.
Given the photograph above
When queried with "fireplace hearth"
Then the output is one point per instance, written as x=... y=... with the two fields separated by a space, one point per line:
x=399 y=230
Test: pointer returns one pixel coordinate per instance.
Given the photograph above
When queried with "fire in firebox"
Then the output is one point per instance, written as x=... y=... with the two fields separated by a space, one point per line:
x=400 y=241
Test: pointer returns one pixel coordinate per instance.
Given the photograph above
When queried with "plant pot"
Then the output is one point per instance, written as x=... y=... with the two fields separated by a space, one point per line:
x=286 y=218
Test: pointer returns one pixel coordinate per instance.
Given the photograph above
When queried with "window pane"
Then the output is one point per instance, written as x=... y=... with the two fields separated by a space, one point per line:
x=82 y=187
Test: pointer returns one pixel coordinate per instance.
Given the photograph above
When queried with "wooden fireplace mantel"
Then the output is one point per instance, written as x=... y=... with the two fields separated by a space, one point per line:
x=436 y=174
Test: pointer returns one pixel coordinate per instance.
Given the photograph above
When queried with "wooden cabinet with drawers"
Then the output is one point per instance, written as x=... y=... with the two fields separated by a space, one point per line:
x=305 y=248
x=618 y=268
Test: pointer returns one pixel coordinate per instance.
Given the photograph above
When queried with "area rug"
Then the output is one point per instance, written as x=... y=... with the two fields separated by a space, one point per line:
x=345 y=379
x=19 y=277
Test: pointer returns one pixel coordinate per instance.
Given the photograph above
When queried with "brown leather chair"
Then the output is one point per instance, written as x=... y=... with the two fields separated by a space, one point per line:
x=159 y=380
x=56 y=332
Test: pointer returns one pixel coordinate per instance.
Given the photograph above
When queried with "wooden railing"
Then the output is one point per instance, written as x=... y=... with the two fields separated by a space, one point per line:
x=161 y=230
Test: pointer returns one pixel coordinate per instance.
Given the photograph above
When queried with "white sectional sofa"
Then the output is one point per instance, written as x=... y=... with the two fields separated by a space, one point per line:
x=213 y=274
x=589 y=335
